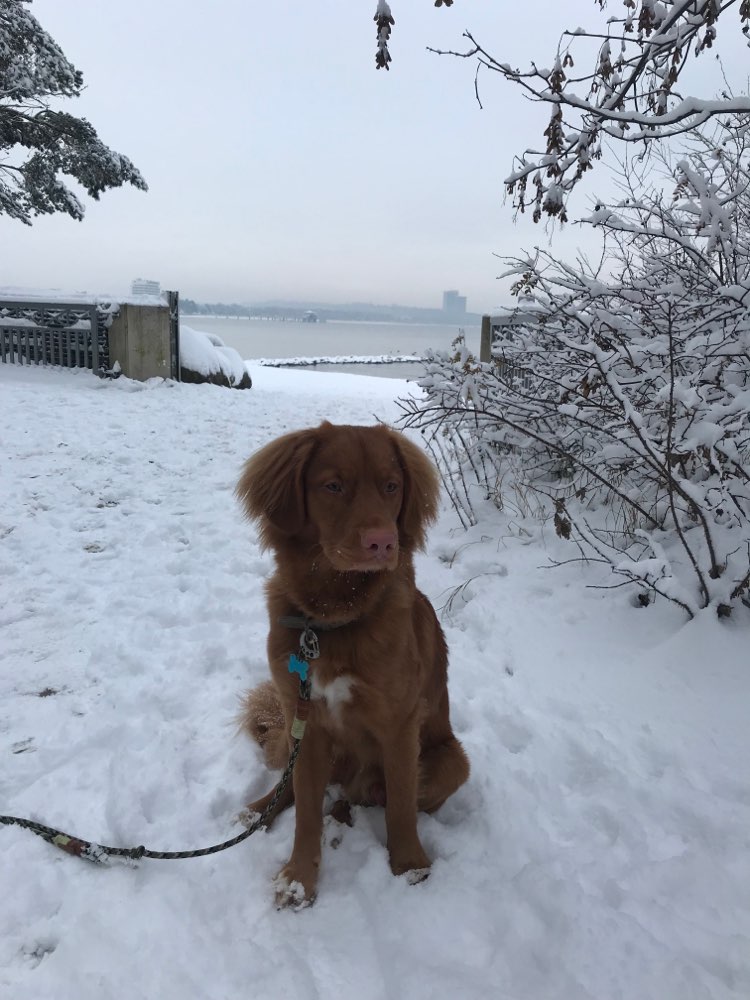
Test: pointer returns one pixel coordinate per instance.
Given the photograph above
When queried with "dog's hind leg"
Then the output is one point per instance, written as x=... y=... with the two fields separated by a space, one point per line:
x=263 y=719
x=251 y=813
x=443 y=767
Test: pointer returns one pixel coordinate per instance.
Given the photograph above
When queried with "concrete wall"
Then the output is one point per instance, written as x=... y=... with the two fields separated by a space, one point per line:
x=139 y=340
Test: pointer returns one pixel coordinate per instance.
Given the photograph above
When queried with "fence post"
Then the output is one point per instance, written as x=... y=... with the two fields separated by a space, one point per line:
x=173 y=298
x=94 y=323
x=485 y=342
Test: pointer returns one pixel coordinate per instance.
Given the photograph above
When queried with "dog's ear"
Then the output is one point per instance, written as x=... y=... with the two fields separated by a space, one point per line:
x=421 y=491
x=272 y=486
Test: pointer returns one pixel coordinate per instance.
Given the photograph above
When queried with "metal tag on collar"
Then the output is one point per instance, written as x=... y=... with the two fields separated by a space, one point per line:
x=309 y=645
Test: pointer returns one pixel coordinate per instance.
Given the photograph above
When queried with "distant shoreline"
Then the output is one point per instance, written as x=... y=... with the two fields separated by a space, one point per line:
x=321 y=344
x=344 y=359
x=336 y=319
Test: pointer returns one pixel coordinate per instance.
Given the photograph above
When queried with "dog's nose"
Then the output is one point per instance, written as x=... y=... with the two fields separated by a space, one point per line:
x=379 y=542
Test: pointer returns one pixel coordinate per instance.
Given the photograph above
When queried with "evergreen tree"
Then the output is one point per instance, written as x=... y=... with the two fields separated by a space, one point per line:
x=39 y=144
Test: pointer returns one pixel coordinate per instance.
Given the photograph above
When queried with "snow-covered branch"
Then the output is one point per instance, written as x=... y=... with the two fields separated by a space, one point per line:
x=629 y=91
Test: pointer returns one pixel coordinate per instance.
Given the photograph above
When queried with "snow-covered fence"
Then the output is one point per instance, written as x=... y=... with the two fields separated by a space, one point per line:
x=139 y=335
x=69 y=335
x=498 y=329
x=500 y=326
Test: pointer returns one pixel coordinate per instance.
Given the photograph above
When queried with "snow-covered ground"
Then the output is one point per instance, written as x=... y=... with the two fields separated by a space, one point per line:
x=600 y=851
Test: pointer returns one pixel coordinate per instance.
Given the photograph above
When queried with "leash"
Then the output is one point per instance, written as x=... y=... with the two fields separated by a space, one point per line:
x=299 y=663
x=100 y=853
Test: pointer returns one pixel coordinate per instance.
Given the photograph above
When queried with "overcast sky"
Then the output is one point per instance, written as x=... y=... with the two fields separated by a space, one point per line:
x=281 y=164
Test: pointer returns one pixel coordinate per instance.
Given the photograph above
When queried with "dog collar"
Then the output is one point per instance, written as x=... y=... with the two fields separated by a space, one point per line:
x=309 y=646
x=301 y=621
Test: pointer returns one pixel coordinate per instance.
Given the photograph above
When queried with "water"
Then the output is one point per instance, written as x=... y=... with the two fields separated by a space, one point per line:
x=258 y=338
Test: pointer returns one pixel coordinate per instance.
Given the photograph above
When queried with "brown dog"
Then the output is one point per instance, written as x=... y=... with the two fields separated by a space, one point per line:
x=343 y=509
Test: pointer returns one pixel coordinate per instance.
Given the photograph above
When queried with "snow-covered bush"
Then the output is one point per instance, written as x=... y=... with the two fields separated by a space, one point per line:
x=623 y=395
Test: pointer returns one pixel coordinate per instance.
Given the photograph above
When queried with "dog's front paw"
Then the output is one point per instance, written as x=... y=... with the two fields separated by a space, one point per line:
x=416 y=875
x=415 y=865
x=293 y=890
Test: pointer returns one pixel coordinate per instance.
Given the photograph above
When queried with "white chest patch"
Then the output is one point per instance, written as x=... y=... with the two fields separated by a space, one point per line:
x=335 y=694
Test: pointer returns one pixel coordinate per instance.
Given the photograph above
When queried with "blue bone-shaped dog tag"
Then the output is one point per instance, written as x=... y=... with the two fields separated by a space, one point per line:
x=297 y=666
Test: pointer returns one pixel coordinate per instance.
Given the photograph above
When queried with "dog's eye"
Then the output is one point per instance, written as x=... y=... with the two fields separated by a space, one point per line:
x=334 y=487
x=391 y=487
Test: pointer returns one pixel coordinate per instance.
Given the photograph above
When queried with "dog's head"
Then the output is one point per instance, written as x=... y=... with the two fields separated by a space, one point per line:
x=361 y=493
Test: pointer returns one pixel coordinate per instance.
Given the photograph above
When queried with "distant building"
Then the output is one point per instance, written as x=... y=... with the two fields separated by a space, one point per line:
x=454 y=304
x=141 y=286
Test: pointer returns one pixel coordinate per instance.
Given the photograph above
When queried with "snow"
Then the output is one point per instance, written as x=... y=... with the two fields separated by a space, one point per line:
x=598 y=852
x=110 y=302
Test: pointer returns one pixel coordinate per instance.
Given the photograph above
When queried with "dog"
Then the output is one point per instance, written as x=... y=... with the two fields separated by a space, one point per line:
x=344 y=509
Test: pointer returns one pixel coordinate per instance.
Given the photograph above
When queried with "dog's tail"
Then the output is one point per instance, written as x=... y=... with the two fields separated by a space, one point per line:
x=263 y=719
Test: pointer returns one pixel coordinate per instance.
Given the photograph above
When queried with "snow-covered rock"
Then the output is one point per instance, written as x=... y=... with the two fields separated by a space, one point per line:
x=205 y=358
